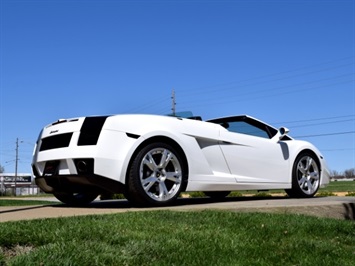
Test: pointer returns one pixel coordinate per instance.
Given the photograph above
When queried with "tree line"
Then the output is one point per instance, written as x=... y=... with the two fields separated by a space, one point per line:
x=347 y=174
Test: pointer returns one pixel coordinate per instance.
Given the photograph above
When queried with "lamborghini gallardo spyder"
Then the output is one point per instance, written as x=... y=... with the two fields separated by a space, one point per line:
x=151 y=159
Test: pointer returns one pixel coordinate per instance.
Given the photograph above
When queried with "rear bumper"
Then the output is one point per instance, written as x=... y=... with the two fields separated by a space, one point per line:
x=77 y=183
x=73 y=175
x=109 y=158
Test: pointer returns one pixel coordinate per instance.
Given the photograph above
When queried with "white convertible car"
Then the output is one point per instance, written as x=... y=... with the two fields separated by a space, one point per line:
x=151 y=159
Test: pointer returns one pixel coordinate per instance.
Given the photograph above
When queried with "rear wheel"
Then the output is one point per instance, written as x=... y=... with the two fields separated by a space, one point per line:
x=305 y=176
x=76 y=199
x=157 y=175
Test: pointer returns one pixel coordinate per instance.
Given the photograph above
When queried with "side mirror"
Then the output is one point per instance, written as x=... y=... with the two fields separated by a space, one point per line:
x=283 y=131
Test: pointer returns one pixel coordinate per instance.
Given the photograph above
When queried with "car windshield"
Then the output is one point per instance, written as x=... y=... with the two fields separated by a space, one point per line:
x=246 y=125
x=245 y=128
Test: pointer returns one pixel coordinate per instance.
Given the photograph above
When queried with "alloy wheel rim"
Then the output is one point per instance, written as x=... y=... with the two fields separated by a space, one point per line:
x=308 y=175
x=160 y=174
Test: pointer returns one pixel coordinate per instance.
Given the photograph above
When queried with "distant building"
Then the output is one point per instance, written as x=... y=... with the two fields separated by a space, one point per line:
x=21 y=185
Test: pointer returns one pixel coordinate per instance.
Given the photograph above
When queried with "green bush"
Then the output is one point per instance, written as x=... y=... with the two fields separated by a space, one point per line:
x=325 y=194
x=112 y=196
x=350 y=194
x=196 y=194
x=235 y=194
x=2 y=258
x=262 y=195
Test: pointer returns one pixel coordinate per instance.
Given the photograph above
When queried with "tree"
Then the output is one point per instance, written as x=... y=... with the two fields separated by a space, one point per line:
x=2 y=169
x=335 y=174
x=349 y=173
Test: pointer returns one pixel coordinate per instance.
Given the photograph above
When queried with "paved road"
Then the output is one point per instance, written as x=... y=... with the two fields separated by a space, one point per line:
x=334 y=207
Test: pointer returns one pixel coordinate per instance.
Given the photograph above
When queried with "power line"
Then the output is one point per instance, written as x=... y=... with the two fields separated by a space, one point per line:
x=324 y=123
x=251 y=94
x=326 y=134
x=344 y=149
x=315 y=119
x=218 y=86
x=326 y=66
x=293 y=85
x=314 y=124
x=233 y=100
x=150 y=105
x=245 y=95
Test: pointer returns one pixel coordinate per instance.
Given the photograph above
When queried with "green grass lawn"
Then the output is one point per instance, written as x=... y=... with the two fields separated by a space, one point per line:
x=340 y=186
x=179 y=238
x=337 y=186
x=19 y=202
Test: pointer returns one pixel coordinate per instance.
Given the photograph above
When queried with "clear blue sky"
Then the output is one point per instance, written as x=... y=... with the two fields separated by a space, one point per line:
x=289 y=63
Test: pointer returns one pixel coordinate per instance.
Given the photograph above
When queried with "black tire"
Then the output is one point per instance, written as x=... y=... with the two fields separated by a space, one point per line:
x=75 y=199
x=217 y=194
x=156 y=175
x=305 y=176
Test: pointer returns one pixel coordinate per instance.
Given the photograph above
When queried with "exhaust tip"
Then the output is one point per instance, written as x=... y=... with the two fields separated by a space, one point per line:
x=81 y=166
x=84 y=166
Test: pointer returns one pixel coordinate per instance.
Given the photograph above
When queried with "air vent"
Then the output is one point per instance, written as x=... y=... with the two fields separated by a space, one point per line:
x=55 y=142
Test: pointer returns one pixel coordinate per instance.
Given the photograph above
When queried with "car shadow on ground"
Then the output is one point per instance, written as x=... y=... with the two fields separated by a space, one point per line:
x=124 y=204
x=24 y=208
x=349 y=211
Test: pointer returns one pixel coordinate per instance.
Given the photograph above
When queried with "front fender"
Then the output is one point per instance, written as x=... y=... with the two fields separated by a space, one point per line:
x=296 y=147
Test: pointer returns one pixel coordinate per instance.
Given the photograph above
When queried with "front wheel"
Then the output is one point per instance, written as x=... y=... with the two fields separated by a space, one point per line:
x=75 y=199
x=157 y=175
x=305 y=176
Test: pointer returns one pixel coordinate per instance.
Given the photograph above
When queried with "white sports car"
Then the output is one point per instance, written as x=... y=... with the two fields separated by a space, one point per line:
x=151 y=159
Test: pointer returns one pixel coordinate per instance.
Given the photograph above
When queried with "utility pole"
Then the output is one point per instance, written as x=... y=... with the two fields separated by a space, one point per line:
x=173 y=103
x=16 y=165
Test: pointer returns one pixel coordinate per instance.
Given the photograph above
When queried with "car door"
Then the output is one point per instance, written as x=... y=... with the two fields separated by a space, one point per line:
x=251 y=154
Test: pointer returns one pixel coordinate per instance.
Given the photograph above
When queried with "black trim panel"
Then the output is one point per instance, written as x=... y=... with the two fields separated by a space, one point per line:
x=55 y=142
x=133 y=136
x=90 y=130
x=79 y=183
